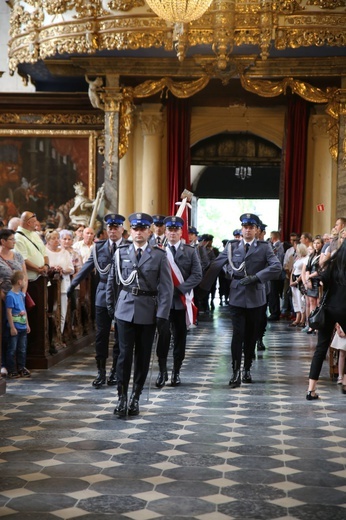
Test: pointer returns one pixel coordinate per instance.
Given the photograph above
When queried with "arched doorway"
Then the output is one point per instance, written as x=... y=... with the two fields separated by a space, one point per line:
x=236 y=165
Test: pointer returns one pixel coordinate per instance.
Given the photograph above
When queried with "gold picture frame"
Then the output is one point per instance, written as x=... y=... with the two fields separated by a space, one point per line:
x=45 y=164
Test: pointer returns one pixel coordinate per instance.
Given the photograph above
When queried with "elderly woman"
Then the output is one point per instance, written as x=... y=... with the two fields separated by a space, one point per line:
x=10 y=261
x=60 y=262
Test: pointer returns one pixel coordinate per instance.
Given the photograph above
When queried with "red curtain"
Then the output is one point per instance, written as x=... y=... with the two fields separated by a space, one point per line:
x=295 y=151
x=178 y=156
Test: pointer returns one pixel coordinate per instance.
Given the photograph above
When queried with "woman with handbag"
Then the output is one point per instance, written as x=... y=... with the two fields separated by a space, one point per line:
x=298 y=302
x=333 y=278
x=311 y=283
x=10 y=261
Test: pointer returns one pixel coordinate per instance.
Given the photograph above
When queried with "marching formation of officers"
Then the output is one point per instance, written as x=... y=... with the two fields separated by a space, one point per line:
x=147 y=285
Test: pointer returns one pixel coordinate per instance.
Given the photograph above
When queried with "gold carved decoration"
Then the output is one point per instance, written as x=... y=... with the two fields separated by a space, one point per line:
x=327 y=4
x=180 y=89
x=44 y=28
x=51 y=119
x=306 y=91
x=124 y=5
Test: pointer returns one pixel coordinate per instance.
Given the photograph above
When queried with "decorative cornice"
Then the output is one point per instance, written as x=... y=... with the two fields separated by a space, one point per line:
x=11 y=118
x=43 y=28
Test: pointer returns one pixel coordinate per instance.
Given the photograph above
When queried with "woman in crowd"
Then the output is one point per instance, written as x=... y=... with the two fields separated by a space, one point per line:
x=66 y=243
x=10 y=261
x=60 y=262
x=311 y=283
x=296 y=283
x=333 y=278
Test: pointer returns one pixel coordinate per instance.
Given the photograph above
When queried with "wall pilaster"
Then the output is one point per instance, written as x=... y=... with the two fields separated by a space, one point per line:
x=151 y=122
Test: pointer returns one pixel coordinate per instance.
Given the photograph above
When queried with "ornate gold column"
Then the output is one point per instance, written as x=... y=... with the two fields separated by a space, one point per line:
x=126 y=181
x=112 y=98
x=319 y=187
x=152 y=133
x=341 y=177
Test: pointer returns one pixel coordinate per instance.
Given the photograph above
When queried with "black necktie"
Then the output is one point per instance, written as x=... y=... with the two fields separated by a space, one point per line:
x=114 y=247
x=247 y=245
x=158 y=241
x=172 y=248
x=139 y=254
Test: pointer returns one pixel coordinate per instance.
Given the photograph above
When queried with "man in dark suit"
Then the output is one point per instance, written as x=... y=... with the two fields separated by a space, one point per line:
x=146 y=292
x=251 y=264
x=100 y=259
x=187 y=273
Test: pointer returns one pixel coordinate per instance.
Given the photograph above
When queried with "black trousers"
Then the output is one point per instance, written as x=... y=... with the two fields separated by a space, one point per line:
x=245 y=333
x=177 y=318
x=103 y=328
x=135 y=343
x=324 y=339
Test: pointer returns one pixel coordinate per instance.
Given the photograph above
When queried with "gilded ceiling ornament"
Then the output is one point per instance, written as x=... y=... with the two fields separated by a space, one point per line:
x=40 y=29
x=328 y=4
x=57 y=6
x=123 y=5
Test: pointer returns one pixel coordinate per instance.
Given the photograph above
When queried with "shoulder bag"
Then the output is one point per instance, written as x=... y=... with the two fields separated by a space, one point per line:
x=317 y=316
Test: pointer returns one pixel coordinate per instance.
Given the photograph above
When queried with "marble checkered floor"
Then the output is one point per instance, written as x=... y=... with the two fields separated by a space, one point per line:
x=199 y=451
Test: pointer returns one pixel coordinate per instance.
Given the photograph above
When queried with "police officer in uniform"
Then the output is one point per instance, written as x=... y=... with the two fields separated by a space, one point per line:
x=100 y=259
x=158 y=237
x=144 y=301
x=186 y=259
x=251 y=264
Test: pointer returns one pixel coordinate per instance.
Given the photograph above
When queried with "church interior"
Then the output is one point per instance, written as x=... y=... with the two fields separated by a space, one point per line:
x=139 y=100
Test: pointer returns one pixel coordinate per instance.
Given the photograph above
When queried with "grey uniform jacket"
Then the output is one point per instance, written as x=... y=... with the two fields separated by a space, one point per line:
x=260 y=260
x=154 y=274
x=104 y=260
x=187 y=259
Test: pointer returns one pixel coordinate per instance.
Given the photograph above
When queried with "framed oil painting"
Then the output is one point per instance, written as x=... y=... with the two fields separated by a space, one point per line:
x=40 y=168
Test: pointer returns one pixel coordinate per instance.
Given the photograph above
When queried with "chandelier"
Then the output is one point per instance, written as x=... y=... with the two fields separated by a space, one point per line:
x=179 y=11
x=243 y=172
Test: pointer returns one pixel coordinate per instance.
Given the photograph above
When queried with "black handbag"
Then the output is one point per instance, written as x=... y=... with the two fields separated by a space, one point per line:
x=317 y=316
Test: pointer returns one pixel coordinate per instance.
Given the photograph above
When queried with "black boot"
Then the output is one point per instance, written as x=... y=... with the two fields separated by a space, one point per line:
x=162 y=375
x=101 y=375
x=260 y=345
x=246 y=376
x=112 y=377
x=235 y=380
x=134 y=401
x=121 y=408
x=175 y=378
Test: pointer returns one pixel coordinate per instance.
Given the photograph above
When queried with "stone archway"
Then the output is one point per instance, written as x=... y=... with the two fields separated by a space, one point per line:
x=222 y=156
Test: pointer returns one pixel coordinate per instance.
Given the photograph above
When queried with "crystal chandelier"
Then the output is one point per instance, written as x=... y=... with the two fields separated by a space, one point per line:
x=179 y=11
x=243 y=172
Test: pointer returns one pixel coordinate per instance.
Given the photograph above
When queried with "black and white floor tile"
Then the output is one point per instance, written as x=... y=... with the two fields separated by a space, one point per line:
x=199 y=451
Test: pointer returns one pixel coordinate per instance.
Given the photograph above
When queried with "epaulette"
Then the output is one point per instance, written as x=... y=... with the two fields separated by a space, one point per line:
x=189 y=245
x=157 y=247
x=100 y=242
x=123 y=245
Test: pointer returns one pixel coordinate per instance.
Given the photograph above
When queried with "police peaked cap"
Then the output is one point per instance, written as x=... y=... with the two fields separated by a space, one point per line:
x=237 y=232
x=173 y=221
x=158 y=219
x=193 y=230
x=112 y=219
x=140 y=220
x=249 y=218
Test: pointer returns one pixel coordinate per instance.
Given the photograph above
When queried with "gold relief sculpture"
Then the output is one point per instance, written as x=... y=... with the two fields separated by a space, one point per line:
x=125 y=5
x=52 y=119
x=57 y=6
x=327 y=4
x=83 y=26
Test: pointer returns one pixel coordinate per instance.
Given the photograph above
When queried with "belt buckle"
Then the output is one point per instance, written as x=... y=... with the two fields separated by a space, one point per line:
x=134 y=291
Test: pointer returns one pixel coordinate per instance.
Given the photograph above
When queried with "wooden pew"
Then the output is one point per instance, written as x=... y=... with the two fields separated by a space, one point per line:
x=46 y=345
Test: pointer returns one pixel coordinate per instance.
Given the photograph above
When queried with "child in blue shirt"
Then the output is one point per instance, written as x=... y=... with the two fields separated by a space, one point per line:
x=19 y=328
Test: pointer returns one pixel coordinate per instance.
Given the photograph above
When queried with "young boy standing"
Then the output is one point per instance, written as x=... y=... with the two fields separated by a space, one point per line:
x=19 y=328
